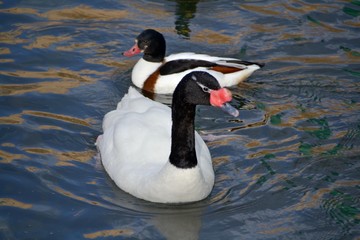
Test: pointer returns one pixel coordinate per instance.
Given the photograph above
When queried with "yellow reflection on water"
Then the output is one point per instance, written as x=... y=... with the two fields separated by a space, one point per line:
x=49 y=127
x=8 y=145
x=20 y=10
x=6 y=60
x=305 y=7
x=7 y=157
x=109 y=233
x=33 y=169
x=276 y=226
x=254 y=180
x=352 y=23
x=222 y=177
x=253 y=143
x=275 y=149
x=46 y=41
x=288 y=8
x=79 y=12
x=18 y=118
x=119 y=65
x=74 y=46
x=85 y=12
x=313 y=199
x=10 y=202
x=12 y=119
x=68 y=79
x=267 y=28
x=222 y=141
x=319 y=149
x=64 y=158
x=327 y=27
x=261 y=9
x=5 y=51
x=315 y=59
x=74 y=196
x=64 y=118
x=221 y=195
x=11 y=37
x=212 y=37
x=158 y=12
x=310 y=200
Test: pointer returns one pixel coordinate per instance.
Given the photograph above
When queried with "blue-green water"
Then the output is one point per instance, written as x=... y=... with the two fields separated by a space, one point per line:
x=287 y=168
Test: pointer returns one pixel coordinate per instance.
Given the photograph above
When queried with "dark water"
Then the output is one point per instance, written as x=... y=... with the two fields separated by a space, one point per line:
x=288 y=168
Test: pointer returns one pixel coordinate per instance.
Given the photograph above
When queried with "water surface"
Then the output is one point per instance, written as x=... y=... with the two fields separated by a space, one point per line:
x=287 y=168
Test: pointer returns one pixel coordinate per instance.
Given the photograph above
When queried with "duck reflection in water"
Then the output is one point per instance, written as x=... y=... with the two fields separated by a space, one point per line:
x=185 y=11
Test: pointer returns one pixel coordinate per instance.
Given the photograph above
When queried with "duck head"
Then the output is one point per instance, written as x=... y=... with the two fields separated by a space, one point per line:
x=201 y=88
x=151 y=43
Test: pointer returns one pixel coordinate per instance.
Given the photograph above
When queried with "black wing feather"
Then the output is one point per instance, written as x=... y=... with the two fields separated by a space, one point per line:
x=181 y=65
x=246 y=63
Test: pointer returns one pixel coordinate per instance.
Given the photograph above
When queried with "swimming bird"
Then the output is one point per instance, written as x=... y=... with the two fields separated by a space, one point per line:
x=159 y=74
x=153 y=152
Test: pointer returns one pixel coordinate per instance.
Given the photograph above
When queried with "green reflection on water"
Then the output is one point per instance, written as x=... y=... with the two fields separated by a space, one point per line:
x=324 y=132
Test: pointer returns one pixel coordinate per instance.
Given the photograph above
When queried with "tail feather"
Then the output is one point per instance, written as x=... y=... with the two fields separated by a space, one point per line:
x=239 y=63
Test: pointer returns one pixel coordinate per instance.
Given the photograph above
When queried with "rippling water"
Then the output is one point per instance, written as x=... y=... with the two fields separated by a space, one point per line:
x=288 y=168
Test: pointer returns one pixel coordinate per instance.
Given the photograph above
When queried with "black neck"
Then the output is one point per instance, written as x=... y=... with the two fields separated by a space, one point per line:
x=154 y=57
x=183 y=153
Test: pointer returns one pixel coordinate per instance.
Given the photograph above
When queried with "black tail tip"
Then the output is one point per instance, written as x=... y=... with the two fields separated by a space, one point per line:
x=261 y=65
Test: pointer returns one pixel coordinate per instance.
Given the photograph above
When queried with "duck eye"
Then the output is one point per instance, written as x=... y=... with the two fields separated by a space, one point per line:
x=205 y=89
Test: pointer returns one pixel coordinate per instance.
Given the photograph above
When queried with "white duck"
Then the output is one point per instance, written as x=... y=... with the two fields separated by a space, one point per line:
x=153 y=152
x=159 y=74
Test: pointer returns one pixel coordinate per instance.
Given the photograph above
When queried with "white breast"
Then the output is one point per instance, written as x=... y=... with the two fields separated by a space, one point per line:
x=142 y=70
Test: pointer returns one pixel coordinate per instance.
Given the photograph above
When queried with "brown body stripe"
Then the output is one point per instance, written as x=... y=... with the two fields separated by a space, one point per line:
x=149 y=84
x=225 y=69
